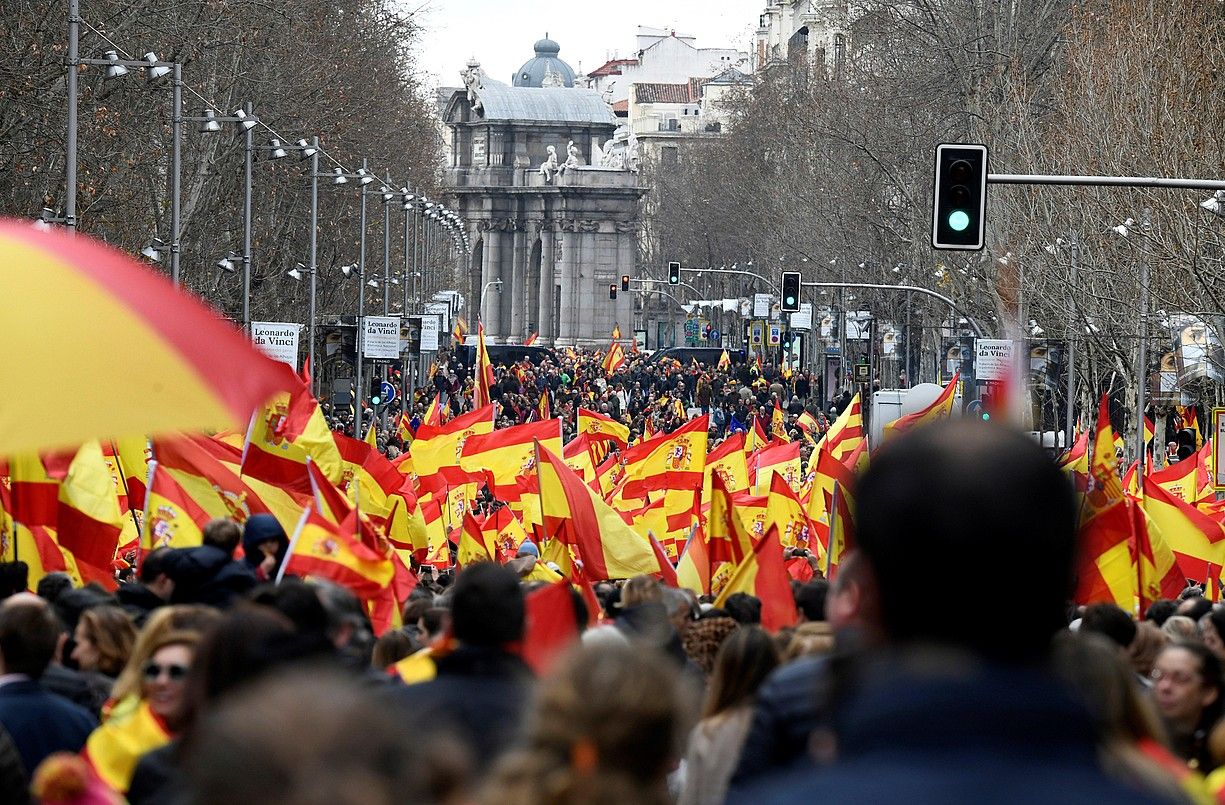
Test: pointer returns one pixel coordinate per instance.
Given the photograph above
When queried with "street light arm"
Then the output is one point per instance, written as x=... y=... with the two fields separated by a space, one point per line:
x=909 y=288
x=733 y=271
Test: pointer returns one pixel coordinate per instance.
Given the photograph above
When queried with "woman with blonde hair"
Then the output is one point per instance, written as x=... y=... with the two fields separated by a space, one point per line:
x=745 y=659
x=608 y=726
x=103 y=640
x=144 y=708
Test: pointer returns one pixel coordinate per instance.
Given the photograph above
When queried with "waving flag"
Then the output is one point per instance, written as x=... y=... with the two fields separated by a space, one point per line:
x=763 y=574
x=436 y=450
x=846 y=433
x=481 y=394
x=725 y=362
x=505 y=456
x=337 y=553
x=542 y=406
x=1104 y=468
x=607 y=546
x=614 y=359
x=604 y=427
x=729 y=462
x=460 y=331
x=941 y=408
x=531 y=339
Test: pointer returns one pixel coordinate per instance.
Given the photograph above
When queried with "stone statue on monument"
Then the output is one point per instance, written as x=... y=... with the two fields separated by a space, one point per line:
x=549 y=168
x=472 y=82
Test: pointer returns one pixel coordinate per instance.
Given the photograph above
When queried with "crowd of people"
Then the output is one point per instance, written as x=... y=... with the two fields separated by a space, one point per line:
x=934 y=667
x=647 y=396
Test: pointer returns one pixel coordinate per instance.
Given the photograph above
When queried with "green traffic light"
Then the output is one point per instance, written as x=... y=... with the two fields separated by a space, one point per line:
x=790 y=301
x=986 y=416
x=959 y=220
x=376 y=400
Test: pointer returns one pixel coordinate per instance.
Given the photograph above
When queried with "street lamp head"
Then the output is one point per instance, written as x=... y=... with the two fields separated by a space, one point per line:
x=154 y=250
x=1215 y=204
x=388 y=195
x=364 y=177
x=155 y=72
x=210 y=122
x=227 y=263
x=348 y=270
x=115 y=70
x=275 y=151
x=296 y=272
x=247 y=122
x=306 y=148
x=338 y=176
x=373 y=283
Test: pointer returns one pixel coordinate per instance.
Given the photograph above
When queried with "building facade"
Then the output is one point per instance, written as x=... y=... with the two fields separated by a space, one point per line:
x=816 y=30
x=551 y=202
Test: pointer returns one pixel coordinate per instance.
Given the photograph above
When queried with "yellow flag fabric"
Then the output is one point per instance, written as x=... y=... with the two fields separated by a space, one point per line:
x=131 y=731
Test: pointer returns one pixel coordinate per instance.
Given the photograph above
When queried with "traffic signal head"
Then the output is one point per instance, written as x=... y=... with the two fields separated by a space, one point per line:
x=625 y=282
x=612 y=291
x=791 y=292
x=674 y=273
x=959 y=203
x=376 y=392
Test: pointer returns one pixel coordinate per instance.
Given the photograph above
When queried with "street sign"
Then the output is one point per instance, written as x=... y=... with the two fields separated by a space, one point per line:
x=756 y=334
x=381 y=338
x=862 y=373
x=761 y=305
x=387 y=391
x=803 y=319
x=714 y=335
x=776 y=335
x=430 y=329
x=277 y=340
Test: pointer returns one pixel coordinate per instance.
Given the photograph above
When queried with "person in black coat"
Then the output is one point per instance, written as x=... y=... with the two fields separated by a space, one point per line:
x=39 y=722
x=208 y=574
x=482 y=689
x=152 y=589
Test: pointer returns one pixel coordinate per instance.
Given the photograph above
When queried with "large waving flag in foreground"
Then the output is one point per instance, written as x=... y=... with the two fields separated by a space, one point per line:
x=67 y=302
x=608 y=547
x=481 y=395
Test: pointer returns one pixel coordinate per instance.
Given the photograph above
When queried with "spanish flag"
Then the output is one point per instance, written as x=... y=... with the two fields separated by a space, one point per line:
x=778 y=424
x=1104 y=571
x=481 y=395
x=172 y=518
x=728 y=540
x=603 y=427
x=89 y=519
x=1105 y=465
x=436 y=450
x=504 y=456
x=131 y=731
x=433 y=413
x=941 y=408
x=782 y=459
x=674 y=460
x=693 y=569
x=1197 y=540
x=608 y=547
x=460 y=332
x=846 y=433
x=322 y=549
x=729 y=462
x=763 y=574
x=282 y=434
x=403 y=432
x=372 y=437
x=472 y=547
x=531 y=339
x=725 y=362
x=614 y=359
x=542 y=406
x=616 y=332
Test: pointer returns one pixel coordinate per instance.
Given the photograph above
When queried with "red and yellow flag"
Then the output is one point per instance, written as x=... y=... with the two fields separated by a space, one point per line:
x=531 y=339
x=437 y=449
x=543 y=411
x=607 y=546
x=693 y=569
x=604 y=427
x=504 y=457
x=1197 y=540
x=614 y=359
x=941 y=408
x=481 y=394
x=338 y=553
x=281 y=436
x=1104 y=571
x=172 y=518
x=763 y=574
x=778 y=424
x=729 y=462
x=1105 y=466
x=725 y=362
x=89 y=519
x=460 y=331
x=846 y=433
x=782 y=459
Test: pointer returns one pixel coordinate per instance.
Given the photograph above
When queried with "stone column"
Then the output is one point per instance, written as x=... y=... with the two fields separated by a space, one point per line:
x=544 y=296
x=492 y=312
x=518 y=286
x=569 y=281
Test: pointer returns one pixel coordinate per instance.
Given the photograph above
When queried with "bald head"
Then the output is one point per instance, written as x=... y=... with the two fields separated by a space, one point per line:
x=964 y=511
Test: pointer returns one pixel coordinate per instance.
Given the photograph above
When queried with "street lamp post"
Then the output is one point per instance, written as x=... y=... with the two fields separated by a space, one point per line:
x=312 y=152
x=156 y=70
x=363 y=177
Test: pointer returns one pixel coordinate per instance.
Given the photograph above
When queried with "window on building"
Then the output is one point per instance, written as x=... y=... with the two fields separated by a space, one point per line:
x=668 y=155
x=839 y=55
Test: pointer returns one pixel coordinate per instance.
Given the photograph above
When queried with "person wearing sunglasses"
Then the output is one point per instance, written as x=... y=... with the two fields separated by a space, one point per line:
x=114 y=749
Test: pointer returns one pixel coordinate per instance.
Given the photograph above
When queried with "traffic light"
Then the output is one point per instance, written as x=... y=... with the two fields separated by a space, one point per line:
x=674 y=273
x=376 y=392
x=625 y=282
x=960 y=201
x=791 y=292
x=612 y=292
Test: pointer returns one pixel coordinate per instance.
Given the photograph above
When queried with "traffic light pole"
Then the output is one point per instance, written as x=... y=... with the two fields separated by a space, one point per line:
x=1105 y=181
x=908 y=288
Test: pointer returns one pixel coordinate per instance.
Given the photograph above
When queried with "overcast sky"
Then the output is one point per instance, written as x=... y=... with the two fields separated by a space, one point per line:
x=500 y=33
